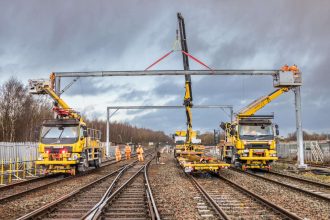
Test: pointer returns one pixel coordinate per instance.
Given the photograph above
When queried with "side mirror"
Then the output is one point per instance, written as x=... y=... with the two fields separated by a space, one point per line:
x=85 y=133
x=223 y=126
x=277 y=130
x=232 y=132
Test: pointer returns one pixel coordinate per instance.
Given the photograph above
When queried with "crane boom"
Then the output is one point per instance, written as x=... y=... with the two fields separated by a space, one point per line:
x=258 y=104
x=43 y=87
x=188 y=92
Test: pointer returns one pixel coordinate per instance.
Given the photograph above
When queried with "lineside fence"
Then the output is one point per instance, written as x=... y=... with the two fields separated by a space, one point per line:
x=17 y=161
x=315 y=151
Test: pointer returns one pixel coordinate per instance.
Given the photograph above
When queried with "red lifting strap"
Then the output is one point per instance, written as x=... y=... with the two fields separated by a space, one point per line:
x=189 y=55
x=198 y=61
x=157 y=61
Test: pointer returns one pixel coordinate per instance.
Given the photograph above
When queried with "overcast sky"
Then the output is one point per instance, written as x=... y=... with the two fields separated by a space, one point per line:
x=38 y=37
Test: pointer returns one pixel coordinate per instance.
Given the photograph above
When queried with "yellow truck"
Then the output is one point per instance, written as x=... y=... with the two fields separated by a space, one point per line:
x=250 y=140
x=66 y=144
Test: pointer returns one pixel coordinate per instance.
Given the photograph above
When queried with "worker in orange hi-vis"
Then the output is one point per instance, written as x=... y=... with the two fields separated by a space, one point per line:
x=128 y=152
x=139 y=152
x=118 y=154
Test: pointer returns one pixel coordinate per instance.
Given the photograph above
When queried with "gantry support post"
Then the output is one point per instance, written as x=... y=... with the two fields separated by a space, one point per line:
x=299 y=132
x=108 y=133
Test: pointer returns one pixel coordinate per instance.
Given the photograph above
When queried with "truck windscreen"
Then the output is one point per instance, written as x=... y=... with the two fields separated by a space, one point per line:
x=259 y=132
x=59 y=135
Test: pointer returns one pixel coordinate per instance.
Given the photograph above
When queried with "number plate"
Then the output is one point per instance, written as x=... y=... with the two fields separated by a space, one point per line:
x=58 y=146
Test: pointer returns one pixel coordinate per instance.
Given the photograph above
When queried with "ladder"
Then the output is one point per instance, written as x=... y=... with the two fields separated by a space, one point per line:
x=316 y=152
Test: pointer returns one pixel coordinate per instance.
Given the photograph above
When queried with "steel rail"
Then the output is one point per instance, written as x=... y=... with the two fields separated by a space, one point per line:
x=286 y=185
x=28 y=181
x=167 y=73
x=269 y=204
x=19 y=194
x=97 y=212
x=39 y=211
x=34 y=214
x=153 y=207
x=108 y=192
x=209 y=199
x=301 y=179
x=40 y=178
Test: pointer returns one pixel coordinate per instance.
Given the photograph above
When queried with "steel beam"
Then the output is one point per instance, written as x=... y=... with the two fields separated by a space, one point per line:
x=108 y=143
x=167 y=106
x=168 y=73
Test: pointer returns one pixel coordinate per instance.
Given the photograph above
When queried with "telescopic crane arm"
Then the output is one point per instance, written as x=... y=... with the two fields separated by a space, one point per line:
x=188 y=92
x=258 y=104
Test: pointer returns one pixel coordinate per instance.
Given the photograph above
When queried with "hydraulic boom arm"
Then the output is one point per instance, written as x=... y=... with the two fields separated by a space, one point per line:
x=61 y=107
x=188 y=94
x=258 y=104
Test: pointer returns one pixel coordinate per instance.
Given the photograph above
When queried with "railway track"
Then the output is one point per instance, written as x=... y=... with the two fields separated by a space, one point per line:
x=232 y=201
x=312 y=188
x=25 y=200
x=16 y=190
x=306 y=204
x=79 y=202
x=132 y=199
x=19 y=189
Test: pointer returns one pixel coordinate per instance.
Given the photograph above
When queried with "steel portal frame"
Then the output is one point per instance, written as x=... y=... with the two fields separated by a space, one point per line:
x=273 y=73
x=117 y=108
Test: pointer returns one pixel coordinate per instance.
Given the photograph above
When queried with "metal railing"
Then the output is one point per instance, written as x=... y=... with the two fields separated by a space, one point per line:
x=13 y=170
x=20 y=150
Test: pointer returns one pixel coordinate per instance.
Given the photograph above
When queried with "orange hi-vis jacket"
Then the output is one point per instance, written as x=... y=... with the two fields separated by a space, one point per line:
x=118 y=151
x=128 y=149
x=139 y=150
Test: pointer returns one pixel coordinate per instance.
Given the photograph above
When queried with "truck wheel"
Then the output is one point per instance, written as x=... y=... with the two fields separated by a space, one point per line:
x=83 y=165
x=97 y=162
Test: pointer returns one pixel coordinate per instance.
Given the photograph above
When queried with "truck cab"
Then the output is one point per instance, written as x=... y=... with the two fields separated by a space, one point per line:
x=66 y=145
x=251 y=142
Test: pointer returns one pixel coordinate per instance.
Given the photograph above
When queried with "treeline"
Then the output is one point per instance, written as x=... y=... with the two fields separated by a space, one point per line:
x=308 y=136
x=20 y=113
x=21 y=116
x=124 y=133
x=208 y=139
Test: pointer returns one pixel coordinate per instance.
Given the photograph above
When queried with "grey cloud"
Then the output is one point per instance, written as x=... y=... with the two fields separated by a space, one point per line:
x=38 y=37
x=90 y=87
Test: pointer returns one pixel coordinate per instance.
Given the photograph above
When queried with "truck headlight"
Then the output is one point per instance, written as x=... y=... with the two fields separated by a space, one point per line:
x=273 y=155
x=40 y=157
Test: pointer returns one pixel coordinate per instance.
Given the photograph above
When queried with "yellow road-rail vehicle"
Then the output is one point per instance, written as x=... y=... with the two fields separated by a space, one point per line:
x=180 y=139
x=250 y=140
x=66 y=145
x=191 y=155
